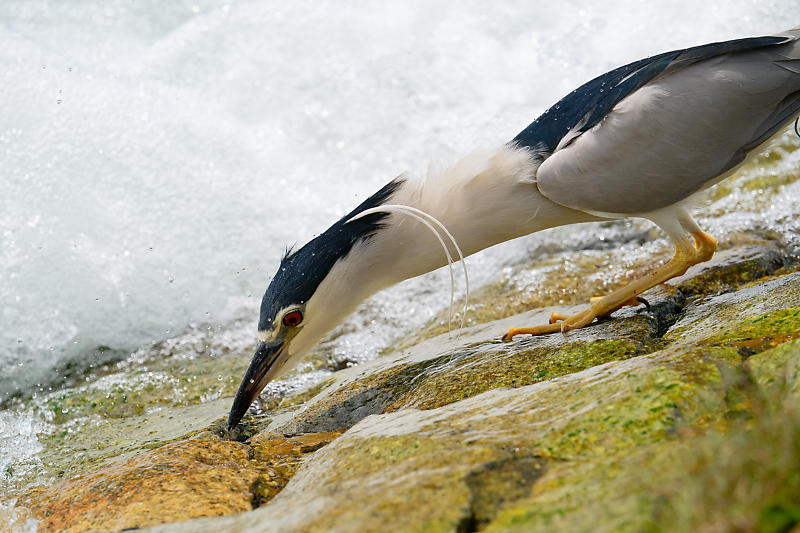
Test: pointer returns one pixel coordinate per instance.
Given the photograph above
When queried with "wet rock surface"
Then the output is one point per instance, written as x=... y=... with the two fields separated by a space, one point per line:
x=176 y=482
x=604 y=428
x=601 y=429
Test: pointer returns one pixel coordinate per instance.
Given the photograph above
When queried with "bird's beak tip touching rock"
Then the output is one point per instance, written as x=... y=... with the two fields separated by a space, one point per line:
x=261 y=370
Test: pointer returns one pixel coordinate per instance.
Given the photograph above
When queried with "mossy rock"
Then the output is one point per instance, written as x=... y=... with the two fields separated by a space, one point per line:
x=506 y=367
x=448 y=370
x=777 y=372
x=464 y=463
x=592 y=432
x=752 y=312
x=592 y=429
x=732 y=268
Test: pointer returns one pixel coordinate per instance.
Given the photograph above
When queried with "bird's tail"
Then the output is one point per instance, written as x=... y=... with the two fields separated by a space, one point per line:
x=787 y=57
x=790 y=51
x=794 y=35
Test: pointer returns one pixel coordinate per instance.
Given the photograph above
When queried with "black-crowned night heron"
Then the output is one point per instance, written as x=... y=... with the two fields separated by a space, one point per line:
x=638 y=141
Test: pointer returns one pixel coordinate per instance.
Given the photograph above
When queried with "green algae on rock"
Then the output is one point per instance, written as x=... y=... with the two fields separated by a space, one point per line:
x=506 y=367
x=91 y=442
x=598 y=443
x=465 y=462
x=173 y=483
x=719 y=317
x=592 y=430
x=559 y=282
x=746 y=479
x=777 y=372
x=443 y=370
x=166 y=392
x=731 y=268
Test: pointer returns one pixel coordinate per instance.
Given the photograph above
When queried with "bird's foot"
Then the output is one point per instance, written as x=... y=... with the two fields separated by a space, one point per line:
x=563 y=323
x=558 y=322
x=696 y=248
x=633 y=302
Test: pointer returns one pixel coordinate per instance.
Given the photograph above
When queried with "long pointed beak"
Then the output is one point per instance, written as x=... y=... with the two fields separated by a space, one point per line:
x=262 y=368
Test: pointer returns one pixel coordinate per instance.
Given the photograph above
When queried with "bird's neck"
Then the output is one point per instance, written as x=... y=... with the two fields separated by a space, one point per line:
x=486 y=198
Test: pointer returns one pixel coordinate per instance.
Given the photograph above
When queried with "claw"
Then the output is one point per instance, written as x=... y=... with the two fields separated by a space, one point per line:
x=701 y=249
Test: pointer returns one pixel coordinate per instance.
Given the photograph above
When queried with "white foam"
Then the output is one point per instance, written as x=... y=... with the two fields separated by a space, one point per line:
x=157 y=158
x=19 y=446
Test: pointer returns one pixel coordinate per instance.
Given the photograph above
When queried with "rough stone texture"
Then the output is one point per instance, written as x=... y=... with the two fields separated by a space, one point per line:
x=606 y=428
x=419 y=470
x=440 y=370
x=740 y=314
x=444 y=370
x=610 y=438
x=750 y=258
x=731 y=268
x=101 y=441
x=176 y=482
x=777 y=371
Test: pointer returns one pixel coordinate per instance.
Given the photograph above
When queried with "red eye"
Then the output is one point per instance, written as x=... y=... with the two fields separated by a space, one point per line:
x=292 y=319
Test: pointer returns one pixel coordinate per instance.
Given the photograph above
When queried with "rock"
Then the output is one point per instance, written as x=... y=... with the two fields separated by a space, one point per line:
x=604 y=428
x=552 y=282
x=98 y=441
x=444 y=370
x=777 y=371
x=441 y=370
x=458 y=466
x=174 y=390
x=764 y=310
x=729 y=269
x=176 y=482
x=605 y=440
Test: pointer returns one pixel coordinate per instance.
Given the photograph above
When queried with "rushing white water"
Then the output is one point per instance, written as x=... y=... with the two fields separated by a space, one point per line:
x=156 y=158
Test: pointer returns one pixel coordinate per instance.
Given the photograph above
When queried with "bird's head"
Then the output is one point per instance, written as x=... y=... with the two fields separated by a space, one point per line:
x=284 y=319
x=314 y=289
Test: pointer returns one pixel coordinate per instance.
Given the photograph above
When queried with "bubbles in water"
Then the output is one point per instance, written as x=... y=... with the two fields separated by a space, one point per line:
x=266 y=150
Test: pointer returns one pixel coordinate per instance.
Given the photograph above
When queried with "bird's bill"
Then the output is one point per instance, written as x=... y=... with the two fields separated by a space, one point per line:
x=261 y=370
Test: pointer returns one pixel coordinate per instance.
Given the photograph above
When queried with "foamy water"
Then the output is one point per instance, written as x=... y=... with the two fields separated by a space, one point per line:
x=156 y=158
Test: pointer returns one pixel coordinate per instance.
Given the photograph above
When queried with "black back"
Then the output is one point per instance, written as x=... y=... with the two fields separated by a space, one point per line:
x=587 y=105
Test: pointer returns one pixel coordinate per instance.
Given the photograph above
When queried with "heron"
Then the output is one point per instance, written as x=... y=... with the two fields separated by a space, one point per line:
x=641 y=141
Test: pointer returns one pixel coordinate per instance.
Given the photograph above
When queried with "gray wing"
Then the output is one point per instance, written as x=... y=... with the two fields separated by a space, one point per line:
x=656 y=131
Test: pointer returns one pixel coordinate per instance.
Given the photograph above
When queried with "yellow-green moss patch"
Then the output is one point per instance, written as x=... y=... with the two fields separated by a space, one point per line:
x=777 y=371
x=509 y=368
x=761 y=332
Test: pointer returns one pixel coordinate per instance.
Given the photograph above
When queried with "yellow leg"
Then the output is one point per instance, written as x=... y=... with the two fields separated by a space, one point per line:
x=688 y=252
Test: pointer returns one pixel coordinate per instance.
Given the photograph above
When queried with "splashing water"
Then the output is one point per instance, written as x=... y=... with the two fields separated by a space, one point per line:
x=157 y=158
